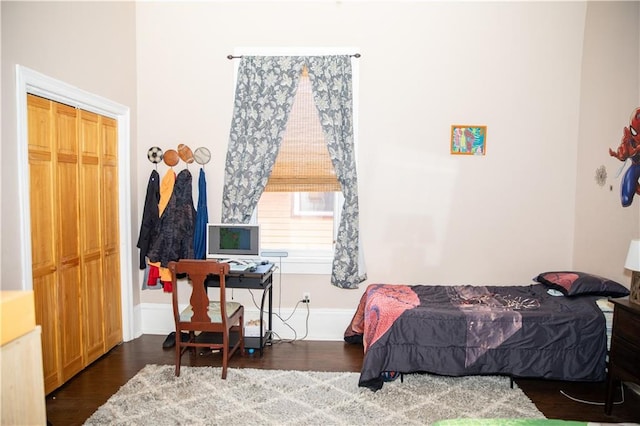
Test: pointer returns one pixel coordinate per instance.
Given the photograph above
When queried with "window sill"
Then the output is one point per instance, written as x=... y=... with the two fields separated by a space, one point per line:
x=303 y=265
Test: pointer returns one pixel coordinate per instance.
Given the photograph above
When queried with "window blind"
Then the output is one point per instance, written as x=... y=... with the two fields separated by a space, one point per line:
x=303 y=163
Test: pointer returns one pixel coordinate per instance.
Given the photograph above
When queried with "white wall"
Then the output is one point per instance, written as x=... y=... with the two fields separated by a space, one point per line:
x=609 y=93
x=89 y=46
x=427 y=216
x=527 y=70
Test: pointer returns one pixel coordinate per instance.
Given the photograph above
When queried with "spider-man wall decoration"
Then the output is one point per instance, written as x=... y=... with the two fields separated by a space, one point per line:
x=630 y=149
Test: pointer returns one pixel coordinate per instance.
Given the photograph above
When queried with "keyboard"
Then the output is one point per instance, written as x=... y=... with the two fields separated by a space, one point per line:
x=241 y=267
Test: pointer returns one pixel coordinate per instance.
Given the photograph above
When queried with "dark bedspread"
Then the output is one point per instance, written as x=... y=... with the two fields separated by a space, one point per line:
x=519 y=331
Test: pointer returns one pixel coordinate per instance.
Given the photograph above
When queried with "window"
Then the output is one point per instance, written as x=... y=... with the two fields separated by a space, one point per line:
x=297 y=210
x=313 y=203
x=266 y=84
x=283 y=227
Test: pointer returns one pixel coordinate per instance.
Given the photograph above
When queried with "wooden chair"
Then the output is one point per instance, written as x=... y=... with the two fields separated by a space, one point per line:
x=203 y=315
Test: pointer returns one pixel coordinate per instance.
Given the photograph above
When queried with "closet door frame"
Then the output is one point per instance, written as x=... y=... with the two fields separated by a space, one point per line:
x=32 y=82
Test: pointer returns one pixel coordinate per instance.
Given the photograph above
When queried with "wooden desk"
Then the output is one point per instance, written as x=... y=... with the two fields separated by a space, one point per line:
x=260 y=279
x=624 y=356
x=23 y=401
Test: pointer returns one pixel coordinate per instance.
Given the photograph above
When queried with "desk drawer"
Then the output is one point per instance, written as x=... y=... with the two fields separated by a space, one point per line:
x=625 y=357
x=627 y=326
x=253 y=282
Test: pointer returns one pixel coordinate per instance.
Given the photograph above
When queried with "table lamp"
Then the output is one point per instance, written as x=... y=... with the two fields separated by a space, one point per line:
x=633 y=264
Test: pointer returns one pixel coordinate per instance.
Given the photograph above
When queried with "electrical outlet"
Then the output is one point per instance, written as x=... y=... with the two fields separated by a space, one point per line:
x=306 y=297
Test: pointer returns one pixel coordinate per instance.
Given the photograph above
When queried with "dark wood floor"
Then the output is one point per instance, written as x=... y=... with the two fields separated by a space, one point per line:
x=75 y=401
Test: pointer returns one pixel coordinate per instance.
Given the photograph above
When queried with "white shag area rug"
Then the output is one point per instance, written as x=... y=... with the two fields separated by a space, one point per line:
x=276 y=397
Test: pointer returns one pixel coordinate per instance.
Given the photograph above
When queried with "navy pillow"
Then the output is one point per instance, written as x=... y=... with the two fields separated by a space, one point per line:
x=572 y=283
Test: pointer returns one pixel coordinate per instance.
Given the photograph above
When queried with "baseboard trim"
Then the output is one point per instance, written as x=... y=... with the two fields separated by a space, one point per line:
x=322 y=324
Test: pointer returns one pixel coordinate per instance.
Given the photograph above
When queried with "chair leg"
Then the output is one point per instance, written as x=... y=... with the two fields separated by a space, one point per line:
x=178 y=353
x=225 y=353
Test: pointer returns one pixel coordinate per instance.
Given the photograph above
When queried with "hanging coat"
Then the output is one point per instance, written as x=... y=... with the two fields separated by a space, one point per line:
x=166 y=189
x=202 y=217
x=150 y=216
x=173 y=239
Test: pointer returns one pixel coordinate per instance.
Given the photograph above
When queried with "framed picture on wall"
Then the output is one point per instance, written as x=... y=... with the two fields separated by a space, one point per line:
x=468 y=139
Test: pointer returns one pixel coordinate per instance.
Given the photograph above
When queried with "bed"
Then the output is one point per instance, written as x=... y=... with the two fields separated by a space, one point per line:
x=519 y=331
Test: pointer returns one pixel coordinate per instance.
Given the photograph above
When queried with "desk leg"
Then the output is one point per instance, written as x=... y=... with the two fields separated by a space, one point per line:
x=262 y=340
x=267 y=337
x=270 y=335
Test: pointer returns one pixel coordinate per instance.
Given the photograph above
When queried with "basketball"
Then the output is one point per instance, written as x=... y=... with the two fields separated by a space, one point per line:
x=171 y=158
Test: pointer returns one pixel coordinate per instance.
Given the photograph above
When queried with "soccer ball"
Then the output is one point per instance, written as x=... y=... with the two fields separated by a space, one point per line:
x=154 y=154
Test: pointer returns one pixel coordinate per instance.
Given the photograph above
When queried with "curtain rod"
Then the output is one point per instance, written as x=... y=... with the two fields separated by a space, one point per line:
x=355 y=55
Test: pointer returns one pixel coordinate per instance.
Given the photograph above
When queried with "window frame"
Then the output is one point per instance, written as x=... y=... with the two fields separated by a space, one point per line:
x=300 y=210
x=307 y=261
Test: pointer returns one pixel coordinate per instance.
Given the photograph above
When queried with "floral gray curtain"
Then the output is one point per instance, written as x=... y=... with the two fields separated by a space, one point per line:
x=332 y=92
x=264 y=97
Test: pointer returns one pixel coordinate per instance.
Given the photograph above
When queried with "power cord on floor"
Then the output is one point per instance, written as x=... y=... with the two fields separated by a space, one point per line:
x=582 y=401
x=283 y=320
x=279 y=314
x=295 y=334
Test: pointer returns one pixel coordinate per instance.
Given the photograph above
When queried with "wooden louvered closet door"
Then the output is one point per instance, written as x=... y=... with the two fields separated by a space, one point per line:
x=74 y=227
x=112 y=314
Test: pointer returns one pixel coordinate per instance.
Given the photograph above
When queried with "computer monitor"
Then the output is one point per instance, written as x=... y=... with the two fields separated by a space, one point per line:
x=233 y=241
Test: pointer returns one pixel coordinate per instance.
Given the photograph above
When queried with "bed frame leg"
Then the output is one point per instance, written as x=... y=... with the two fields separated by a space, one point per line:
x=511 y=381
